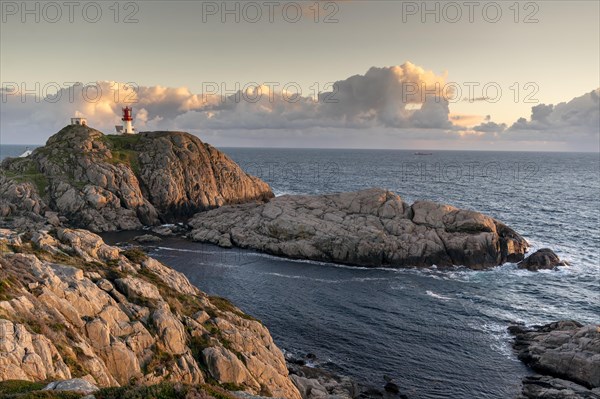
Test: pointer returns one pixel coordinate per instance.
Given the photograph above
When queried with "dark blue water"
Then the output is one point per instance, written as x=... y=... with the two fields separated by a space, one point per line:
x=439 y=334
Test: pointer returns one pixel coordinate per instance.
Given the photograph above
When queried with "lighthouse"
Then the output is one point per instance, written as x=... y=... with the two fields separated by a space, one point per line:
x=127 y=127
x=127 y=121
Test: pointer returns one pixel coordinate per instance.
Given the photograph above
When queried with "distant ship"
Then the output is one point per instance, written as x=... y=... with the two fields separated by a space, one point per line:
x=27 y=153
x=423 y=153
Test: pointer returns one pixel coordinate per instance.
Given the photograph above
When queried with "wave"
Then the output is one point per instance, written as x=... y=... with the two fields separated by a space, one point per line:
x=438 y=296
x=199 y=251
x=331 y=281
x=279 y=193
x=295 y=277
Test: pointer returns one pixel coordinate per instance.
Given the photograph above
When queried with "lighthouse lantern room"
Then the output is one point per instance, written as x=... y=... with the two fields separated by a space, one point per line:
x=127 y=127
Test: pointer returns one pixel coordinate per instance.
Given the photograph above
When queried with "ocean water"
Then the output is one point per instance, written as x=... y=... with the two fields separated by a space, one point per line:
x=439 y=334
x=14 y=150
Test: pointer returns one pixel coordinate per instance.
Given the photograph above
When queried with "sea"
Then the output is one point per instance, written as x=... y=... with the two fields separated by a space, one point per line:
x=437 y=333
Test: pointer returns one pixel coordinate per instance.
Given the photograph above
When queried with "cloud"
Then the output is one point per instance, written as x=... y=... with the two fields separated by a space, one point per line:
x=384 y=105
x=580 y=116
x=490 y=127
x=404 y=96
x=462 y=121
x=575 y=124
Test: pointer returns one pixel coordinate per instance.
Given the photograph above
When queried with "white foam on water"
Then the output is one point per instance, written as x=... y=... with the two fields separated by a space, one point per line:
x=199 y=251
x=296 y=277
x=438 y=296
x=365 y=279
x=500 y=338
x=279 y=193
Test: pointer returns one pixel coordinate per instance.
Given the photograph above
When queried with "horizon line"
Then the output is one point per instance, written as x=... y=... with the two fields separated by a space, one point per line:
x=365 y=149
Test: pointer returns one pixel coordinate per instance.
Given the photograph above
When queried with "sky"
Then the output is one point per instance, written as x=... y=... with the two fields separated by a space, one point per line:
x=391 y=74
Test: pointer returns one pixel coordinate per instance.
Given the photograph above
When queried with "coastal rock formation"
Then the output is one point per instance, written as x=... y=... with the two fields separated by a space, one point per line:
x=566 y=353
x=368 y=228
x=74 y=307
x=544 y=258
x=315 y=383
x=543 y=387
x=106 y=183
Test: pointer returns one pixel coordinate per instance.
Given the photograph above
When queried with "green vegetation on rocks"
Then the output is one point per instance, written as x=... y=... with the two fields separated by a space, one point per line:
x=123 y=150
x=225 y=305
x=17 y=389
x=26 y=171
x=13 y=387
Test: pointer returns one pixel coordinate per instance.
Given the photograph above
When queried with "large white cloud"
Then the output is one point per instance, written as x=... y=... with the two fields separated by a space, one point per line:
x=405 y=96
x=396 y=103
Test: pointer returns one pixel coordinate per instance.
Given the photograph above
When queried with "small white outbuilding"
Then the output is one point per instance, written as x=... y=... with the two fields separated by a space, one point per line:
x=79 y=121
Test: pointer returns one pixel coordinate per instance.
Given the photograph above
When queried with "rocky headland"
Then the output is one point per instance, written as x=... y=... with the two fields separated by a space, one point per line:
x=105 y=183
x=367 y=228
x=566 y=354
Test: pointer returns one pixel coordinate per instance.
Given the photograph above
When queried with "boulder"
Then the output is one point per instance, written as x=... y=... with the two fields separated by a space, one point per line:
x=223 y=365
x=147 y=239
x=314 y=382
x=78 y=385
x=133 y=287
x=367 y=228
x=544 y=258
x=310 y=388
x=88 y=245
x=170 y=330
x=165 y=230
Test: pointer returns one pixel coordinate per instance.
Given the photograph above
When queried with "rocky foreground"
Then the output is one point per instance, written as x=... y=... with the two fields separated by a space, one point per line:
x=566 y=354
x=107 y=183
x=367 y=228
x=72 y=306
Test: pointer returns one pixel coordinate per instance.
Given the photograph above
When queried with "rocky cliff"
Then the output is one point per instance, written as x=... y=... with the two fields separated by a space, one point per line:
x=105 y=183
x=368 y=228
x=72 y=306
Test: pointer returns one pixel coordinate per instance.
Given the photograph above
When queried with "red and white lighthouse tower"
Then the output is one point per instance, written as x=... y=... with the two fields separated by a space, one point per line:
x=128 y=121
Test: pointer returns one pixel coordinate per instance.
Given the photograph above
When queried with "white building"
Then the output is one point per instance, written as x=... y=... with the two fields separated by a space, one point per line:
x=79 y=121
